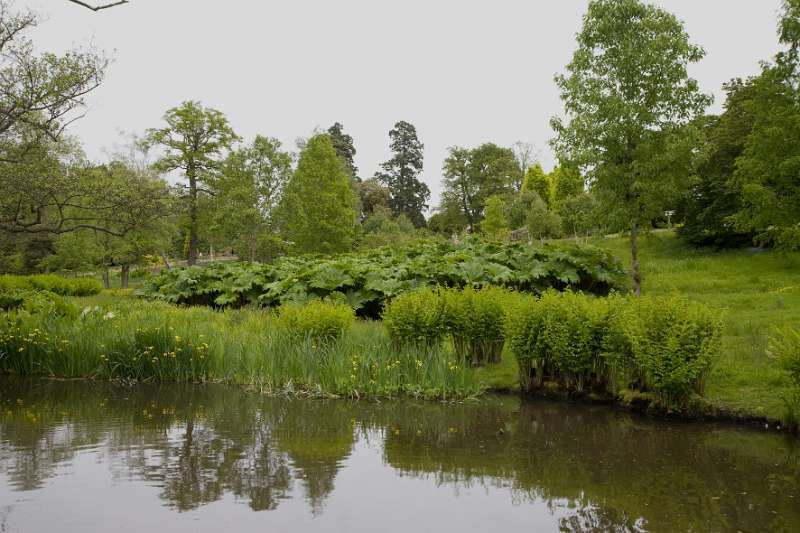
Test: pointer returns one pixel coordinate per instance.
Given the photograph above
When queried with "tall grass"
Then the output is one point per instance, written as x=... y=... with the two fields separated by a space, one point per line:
x=148 y=341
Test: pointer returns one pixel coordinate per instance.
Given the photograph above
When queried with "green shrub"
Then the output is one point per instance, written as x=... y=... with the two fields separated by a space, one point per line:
x=323 y=321
x=35 y=302
x=559 y=338
x=51 y=283
x=785 y=346
x=664 y=345
x=417 y=318
x=476 y=320
x=671 y=342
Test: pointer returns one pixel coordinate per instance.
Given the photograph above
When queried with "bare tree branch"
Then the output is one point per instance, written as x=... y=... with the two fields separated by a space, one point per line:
x=98 y=8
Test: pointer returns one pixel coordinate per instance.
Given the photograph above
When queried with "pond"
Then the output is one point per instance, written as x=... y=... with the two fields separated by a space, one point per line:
x=80 y=456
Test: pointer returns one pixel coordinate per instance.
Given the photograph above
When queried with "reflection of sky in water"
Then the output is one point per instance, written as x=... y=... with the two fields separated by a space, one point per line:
x=89 y=457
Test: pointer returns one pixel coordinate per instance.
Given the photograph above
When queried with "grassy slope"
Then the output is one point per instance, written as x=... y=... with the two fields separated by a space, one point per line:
x=758 y=291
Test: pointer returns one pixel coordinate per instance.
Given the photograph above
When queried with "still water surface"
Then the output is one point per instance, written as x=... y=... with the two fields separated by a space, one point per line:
x=87 y=457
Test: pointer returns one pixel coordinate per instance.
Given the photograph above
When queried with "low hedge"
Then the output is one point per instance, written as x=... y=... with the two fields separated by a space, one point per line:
x=51 y=283
x=662 y=345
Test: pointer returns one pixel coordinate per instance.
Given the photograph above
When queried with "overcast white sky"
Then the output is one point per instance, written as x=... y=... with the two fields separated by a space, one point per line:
x=463 y=72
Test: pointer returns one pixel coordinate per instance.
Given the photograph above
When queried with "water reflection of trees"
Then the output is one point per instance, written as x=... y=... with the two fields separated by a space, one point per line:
x=611 y=471
x=196 y=443
x=600 y=470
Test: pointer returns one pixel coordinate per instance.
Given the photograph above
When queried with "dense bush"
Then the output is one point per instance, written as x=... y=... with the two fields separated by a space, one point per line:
x=559 y=338
x=664 y=345
x=668 y=342
x=416 y=318
x=55 y=284
x=320 y=321
x=474 y=318
x=366 y=280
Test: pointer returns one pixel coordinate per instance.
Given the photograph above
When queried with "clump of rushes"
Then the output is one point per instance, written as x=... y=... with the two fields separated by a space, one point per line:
x=663 y=345
x=785 y=346
x=151 y=341
x=317 y=320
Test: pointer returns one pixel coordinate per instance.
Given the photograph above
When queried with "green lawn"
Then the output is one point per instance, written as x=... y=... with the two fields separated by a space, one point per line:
x=757 y=290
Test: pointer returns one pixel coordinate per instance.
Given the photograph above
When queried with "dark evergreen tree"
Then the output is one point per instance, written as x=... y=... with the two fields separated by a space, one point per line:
x=407 y=194
x=345 y=149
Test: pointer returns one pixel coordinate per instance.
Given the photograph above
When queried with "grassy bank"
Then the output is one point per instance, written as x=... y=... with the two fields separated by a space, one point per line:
x=757 y=290
x=119 y=337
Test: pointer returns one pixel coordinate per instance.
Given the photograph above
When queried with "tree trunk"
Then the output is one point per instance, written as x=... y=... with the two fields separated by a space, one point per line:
x=106 y=278
x=124 y=276
x=164 y=258
x=636 y=277
x=191 y=258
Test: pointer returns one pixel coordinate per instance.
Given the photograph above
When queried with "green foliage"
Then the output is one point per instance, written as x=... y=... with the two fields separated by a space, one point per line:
x=368 y=279
x=785 y=346
x=416 y=318
x=665 y=345
x=558 y=338
x=195 y=140
x=495 y=225
x=382 y=229
x=147 y=341
x=345 y=149
x=317 y=320
x=475 y=318
x=318 y=208
x=768 y=170
x=536 y=181
x=472 y=176
x=35 y=302
x=52 y=283
x=629 y=101
x=579 y=215
x=671 y=343
x=542 y=223
x=567 y=183
x=714 y=198
x=246 y=192
x=407 y=194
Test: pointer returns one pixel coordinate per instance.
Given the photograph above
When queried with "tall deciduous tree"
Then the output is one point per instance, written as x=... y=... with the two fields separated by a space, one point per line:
x=194 y=141
x=768 y=171
x=40 y=95
x=628 y=96
x=345 y=149
x=318 y=208
x=714 y=198
x=407 y=194
x=472 y=176
x=246 y=192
